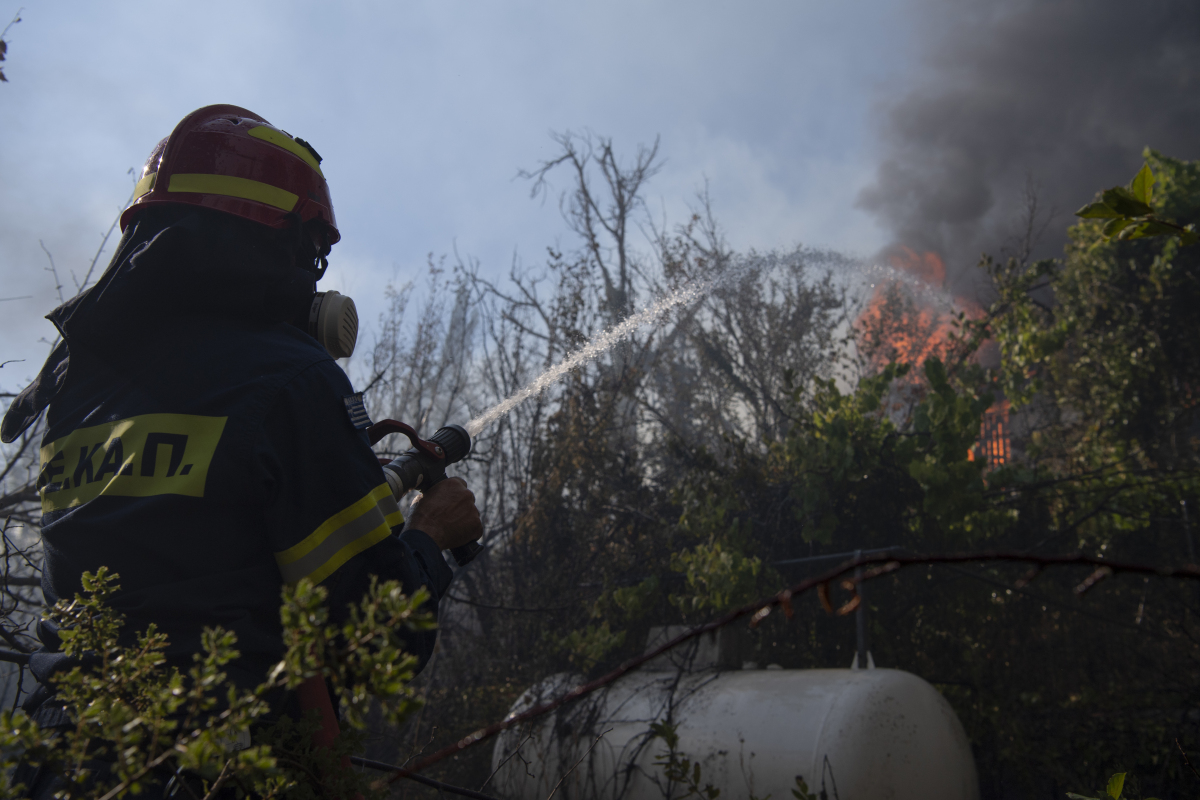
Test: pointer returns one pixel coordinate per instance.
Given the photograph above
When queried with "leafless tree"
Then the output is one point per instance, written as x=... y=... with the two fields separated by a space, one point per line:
x=572 y=482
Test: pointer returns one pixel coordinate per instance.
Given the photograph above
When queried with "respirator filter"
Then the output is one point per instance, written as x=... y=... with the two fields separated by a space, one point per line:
x=333 y=321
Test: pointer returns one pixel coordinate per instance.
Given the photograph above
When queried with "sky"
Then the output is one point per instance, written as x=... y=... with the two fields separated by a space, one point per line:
x=852 y=125
x=425 y=111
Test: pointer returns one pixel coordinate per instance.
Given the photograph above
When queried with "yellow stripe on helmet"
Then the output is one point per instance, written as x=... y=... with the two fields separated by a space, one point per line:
x=230 y=186
x=281 y=139
x=144 y=185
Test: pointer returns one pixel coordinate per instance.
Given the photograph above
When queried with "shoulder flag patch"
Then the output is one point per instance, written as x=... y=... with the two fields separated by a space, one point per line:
x=357 y=411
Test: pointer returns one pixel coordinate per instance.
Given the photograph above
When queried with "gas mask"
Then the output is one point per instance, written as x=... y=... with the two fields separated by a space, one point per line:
x=333 y=321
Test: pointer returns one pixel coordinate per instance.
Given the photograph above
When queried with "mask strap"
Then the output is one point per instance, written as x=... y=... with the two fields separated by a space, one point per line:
x=322 y=261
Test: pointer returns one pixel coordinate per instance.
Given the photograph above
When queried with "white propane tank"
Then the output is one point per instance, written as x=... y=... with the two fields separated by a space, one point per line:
x=865 y=734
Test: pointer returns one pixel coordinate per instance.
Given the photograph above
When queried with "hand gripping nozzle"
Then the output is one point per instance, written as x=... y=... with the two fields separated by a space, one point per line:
x=424 y=464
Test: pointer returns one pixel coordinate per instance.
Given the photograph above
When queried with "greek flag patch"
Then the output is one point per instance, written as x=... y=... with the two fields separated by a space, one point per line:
x=357 y=411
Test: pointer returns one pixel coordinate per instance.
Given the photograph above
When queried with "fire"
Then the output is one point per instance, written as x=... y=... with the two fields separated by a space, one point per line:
x=904 y=320
x=912 y=319
x=927 y=266
x=994 y=437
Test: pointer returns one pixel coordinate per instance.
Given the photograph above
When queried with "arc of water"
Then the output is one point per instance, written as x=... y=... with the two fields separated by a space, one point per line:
x=603 y=341
x=597 y=346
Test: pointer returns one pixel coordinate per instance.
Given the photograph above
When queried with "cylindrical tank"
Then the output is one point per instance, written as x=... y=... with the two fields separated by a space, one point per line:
x=864 y=734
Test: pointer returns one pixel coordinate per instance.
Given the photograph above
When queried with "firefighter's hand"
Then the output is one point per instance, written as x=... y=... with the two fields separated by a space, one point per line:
x=447 y=513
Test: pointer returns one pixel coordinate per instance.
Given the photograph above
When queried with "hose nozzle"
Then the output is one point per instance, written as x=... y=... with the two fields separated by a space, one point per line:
x=424 y=464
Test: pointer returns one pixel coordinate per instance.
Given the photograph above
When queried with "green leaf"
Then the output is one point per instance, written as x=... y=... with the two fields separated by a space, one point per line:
x=1115 y=784
x=1143 y=184
x=1074 y=796
x=1154 y=227
x=1097 y=210
x=801 y=791
x=1123 y=202
x=935 y=372
x=1146 y=230
x=1114 y=227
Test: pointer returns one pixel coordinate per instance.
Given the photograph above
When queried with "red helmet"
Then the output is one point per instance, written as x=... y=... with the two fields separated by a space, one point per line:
x=232 y=160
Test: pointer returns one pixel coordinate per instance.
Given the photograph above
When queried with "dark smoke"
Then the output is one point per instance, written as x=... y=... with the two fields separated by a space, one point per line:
x=1057 y=94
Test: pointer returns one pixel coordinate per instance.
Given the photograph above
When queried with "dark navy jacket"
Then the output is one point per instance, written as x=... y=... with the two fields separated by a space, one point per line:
x=208 y=461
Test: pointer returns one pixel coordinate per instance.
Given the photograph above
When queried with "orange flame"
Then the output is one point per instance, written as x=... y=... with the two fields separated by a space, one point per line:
x=899 y=325
x=927 y=266
x=994 y=437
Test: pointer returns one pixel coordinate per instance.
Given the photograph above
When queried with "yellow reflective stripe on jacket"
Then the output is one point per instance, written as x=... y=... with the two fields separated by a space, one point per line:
x=342 y=536
x=230 y=186
x=140 y=456
x=281 y=139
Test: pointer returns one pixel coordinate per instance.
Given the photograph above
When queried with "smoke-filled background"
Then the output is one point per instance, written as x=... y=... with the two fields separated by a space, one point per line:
x=921 y=123
x=915 y=134
x=1054 y=96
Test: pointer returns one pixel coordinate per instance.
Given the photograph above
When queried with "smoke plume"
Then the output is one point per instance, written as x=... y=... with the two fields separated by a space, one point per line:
x=1058 y=95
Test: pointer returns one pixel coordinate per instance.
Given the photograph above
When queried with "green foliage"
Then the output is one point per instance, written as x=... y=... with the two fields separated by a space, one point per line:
x=635 y=601
x=718 y=577
x=1118 y=346
x=128 y=708
x=679 y=770
x=364 y=658
x=1111 y=367
x=835 y=462
x=1100 y=360
x=718 y=573
x=946 y=426
x=647 y=465
x=586 y=646
x=1113 y=791
x=853 y=471
x=1130 y=212
x=801 y=791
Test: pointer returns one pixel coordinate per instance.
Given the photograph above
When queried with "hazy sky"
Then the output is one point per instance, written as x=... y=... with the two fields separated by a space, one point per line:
x=848 y=124
x=424 y=112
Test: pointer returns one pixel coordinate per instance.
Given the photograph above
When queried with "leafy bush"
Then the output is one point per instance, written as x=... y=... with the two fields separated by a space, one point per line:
x=134 y=721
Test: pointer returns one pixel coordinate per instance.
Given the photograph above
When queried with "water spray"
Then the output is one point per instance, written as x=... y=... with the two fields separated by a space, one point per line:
x=424 y=464
x=597 y=347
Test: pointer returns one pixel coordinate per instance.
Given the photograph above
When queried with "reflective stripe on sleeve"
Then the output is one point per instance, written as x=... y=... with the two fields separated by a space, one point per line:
x=341 y=537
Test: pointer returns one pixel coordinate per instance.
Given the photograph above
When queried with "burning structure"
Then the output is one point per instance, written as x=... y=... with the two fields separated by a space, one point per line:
x=911 y=317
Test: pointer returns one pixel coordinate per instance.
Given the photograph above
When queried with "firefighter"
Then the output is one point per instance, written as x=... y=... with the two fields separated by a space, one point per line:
x=201 y=441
